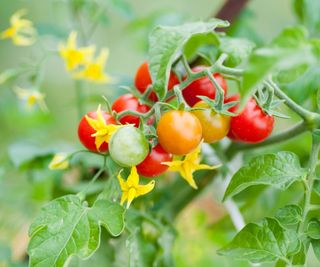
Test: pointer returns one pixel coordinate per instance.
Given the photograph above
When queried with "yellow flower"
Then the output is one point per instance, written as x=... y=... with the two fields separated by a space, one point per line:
x=73 y=55
x=94 y=70
x=59 y=162
x=21 y=31
x=31 y=98
x=131 y=188
x=188 y=166
x=103 y=130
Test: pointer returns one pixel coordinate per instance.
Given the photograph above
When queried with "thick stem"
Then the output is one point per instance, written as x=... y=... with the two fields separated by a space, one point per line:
x=296 y=130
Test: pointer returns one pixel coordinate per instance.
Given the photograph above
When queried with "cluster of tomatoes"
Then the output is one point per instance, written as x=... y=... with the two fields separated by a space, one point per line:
x=179 y=132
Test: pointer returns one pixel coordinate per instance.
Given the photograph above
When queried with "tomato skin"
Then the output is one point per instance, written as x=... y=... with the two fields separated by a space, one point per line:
x=202 y=86
x=85 y=131
x=143 y=80
x=179 y=132
x=129 y=102
x=152 y=165
x=214 y=126
x=252 y=125
x=128 y=146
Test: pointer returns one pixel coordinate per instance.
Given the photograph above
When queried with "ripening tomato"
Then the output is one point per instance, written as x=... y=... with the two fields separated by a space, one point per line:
x=129 y=102
x=152 y=165
x=214 y=126
x=85 y=131
x=252 y=125
x=143 y=80
x=202 y=87
x=128 y=146
x=179 y=132
x=232 y=98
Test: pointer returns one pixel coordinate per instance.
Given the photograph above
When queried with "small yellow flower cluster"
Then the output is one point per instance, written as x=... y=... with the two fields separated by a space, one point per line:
x=21 y=31
x=31 y=98
x=80 y=61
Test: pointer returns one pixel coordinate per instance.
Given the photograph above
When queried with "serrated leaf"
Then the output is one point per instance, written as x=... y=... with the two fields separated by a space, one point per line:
x=313 y=230
x=237 y=49
x=289 y=215
x=166 y=44
x=279 y=170
x=288 y=50
x=67 y=227
x=265 y=242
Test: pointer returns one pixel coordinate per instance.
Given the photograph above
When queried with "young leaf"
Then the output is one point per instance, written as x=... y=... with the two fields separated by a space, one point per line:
x=300 y=257
x=265 y=242
x=67 y=227
x=279 y=170
x=166 y=44
x=316 y=248
x=313 y=229
x=289 y=215
x=289 y=49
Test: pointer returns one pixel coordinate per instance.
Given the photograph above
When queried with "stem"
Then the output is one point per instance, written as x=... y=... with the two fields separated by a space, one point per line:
x=296 y=130
x=186 y=65
x=308 y=183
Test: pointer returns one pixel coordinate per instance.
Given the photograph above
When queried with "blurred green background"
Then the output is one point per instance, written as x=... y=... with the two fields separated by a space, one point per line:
x=124 y=32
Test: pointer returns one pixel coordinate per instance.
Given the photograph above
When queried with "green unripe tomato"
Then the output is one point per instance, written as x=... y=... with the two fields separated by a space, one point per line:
x=128 y=146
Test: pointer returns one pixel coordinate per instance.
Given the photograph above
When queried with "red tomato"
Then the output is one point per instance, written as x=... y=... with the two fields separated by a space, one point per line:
x=85 y=131
x=151 y=166
x=143 y=80
x=129 y=102
x=202 y=87
x=252 y=125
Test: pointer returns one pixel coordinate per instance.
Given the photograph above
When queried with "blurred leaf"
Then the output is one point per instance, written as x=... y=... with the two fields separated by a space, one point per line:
x=67 y=227
x=289 y=49
x=237 y=49
x=9 y=75
x=122 y=6
x=300 y=257
x=279 y=170
x=263 y=242
x=165 y=45
x=313 y=229
x=308 y=12
x=289 y=215
x=316 y=248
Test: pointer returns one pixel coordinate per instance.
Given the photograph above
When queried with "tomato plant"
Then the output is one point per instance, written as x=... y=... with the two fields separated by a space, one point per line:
x=236 y=151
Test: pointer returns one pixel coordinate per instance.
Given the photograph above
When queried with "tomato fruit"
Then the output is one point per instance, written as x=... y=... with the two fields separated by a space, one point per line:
x=128 y=146
x=252 y=125
x=143 y=80
x=179 y=132
x=215 y=126
x=202 y=87
x=152 y=165
x=85 y=131
x=129 y=102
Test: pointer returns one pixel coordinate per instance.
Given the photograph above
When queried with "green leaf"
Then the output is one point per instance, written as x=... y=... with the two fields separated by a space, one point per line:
x=166 y=44
x=289 y=49
x=237 y=49
x=280 y=170
x=289 y=215
x=265 y=242
x=316 y=248
x=67 y=226
x=313 y=230
x=300 y=257
x=308 y=11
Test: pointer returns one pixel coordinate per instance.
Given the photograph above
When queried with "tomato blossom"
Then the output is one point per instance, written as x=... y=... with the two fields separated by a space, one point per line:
x=188 y=166
x=21 y=30
x=94 y=69
x=103 y=130
x=131 y=188
x=59 y=162
x=31 y=98
x=74 y=55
